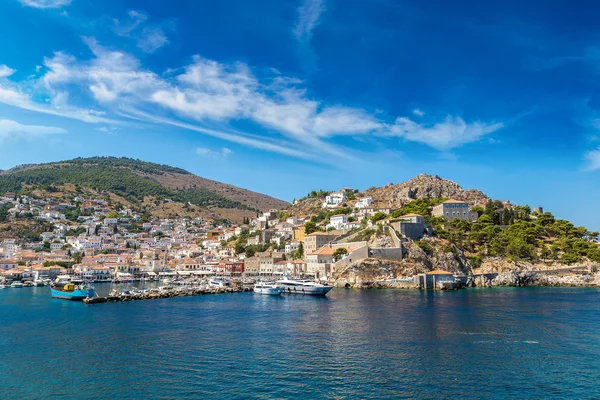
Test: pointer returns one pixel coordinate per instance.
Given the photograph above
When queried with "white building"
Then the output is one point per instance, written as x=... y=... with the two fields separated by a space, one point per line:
x=364 y=202
x=291 y=247
x=334 y=199
x=338 y=222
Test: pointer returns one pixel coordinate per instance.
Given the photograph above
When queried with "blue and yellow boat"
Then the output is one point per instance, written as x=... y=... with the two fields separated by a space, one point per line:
x=71 y=291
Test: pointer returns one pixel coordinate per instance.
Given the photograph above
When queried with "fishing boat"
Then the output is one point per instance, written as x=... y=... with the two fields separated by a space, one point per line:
x=304 y=287
x=71 y=291
x=16 y=285
x=268 y=288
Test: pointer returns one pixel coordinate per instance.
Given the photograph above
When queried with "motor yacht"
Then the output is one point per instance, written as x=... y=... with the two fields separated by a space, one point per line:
x=303 y=286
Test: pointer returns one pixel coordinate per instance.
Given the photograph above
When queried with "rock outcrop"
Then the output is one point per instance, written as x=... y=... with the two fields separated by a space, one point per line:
x=395 y=196
x=423 y=187
x=372 y=272
x=531 y=278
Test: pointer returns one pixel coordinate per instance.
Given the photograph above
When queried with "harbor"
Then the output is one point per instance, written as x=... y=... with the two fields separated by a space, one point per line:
x=121 y=292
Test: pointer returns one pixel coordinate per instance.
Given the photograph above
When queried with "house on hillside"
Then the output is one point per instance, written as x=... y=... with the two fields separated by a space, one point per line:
x=455 y=209
x=334 y=200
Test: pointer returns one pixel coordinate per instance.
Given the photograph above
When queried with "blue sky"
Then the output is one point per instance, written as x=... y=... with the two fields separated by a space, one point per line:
x=284 y=97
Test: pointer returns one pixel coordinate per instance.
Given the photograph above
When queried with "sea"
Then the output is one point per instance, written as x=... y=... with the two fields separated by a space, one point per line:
x=497 y=343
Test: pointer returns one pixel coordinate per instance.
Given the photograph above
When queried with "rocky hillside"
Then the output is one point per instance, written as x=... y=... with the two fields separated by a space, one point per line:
x=397 y=195
x=139 y=184
x=422 y=187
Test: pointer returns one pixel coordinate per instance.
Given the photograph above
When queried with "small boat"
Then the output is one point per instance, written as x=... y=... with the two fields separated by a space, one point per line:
x=39 y=282
x=3 y=287
x=71 y=291
x=304 y=287
x=219 y=283
x=268 y=288
x=16 y=285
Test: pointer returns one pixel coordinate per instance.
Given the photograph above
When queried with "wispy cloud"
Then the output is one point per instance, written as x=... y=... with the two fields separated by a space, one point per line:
x=14 y=130
x=46 y=3
x=6 y=71
x=212 y=98
x=309 y=14
x=592 y=159
x=451 y=133
x=152 y=39
x=418 y=113
x=222 y=153
x=148 y=38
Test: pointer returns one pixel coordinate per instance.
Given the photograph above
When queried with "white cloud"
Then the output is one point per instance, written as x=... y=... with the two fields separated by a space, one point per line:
x=309 y=14
x=418 y=112
x=17 y=98
x=6 y=71
x=14 y=130
x=453 y=132
x=148 y=39
x=46 y=3
x=152 y=39
x=223 y=153
x=125 y=27
x=592 y=159
x=210 y=97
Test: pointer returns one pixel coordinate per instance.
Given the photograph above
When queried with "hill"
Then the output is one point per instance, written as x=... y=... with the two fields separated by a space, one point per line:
x=395 y=195
x=157 y=188
x=501 y=238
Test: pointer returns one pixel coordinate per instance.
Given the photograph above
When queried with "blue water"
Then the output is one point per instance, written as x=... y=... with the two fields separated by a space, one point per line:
x=476 y=343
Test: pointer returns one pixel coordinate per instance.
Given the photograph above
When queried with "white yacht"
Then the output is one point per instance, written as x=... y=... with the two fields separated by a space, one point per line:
x=16 y=285
x=267 y=288
x=303 y=286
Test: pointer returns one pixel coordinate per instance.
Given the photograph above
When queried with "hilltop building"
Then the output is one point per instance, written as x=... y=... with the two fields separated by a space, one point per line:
x=455 y=209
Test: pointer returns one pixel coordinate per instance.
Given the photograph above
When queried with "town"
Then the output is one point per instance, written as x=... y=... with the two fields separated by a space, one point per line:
x=104 y=244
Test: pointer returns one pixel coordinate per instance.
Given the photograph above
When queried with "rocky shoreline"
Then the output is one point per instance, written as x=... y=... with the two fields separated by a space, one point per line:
x=386 y=274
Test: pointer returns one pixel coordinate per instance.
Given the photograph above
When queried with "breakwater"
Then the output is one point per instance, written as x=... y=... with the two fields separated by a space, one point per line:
x=163 y=293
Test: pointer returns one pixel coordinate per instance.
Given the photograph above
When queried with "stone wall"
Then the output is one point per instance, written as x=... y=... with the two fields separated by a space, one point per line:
x=393 y=253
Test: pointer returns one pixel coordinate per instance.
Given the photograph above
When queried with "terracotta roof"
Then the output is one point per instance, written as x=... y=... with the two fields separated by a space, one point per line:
x=453 y=201
x=439 y=272
x=411 y=215
x=325 y=250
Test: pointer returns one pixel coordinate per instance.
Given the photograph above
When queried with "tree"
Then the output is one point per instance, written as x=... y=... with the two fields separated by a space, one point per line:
x=112 y=214
x=378 y=216
x=310 y=227
x=339 y=253
x=301 y=250
x=239 y=248
x=77 y=258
